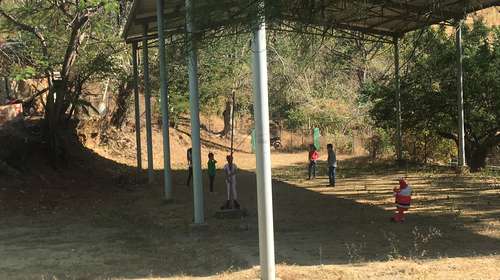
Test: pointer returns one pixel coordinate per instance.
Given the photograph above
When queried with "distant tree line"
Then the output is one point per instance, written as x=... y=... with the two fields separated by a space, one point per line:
x=341 y=85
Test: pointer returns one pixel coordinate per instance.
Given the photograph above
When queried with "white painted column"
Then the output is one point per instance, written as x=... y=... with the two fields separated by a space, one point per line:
x=136 y=108
x=263 y=150
x=194 y=105
x=167 y=179
x=147 y=104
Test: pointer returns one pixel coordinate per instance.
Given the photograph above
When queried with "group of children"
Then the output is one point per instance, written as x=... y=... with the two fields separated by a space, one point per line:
x=230 y=172
x=402 y=193
x=332 y=163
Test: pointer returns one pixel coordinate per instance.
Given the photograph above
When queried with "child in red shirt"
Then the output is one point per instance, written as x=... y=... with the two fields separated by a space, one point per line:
x=313 y=157
x=403 y=200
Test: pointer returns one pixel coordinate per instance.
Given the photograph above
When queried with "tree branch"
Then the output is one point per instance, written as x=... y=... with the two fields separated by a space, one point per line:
x=25 y=27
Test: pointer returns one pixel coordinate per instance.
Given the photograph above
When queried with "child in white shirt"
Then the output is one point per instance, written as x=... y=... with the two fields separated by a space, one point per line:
x=232 y=196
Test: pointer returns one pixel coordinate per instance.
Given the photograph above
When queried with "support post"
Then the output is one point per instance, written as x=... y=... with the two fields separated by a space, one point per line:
x=263 y=153
x=233 y=100
x=167 y=179
x=194 y=104
x=399 y=133
x=460 y=99
x=147 y=104
x=137 y=108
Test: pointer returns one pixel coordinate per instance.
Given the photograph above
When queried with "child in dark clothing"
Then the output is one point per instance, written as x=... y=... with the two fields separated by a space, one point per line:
x=211 y=170
x=189 y=156
x=332 y=164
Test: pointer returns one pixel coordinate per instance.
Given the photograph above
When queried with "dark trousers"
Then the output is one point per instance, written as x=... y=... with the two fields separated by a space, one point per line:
x=312 y=169
x=190 y=175
x=211 y=179
x=331 y=175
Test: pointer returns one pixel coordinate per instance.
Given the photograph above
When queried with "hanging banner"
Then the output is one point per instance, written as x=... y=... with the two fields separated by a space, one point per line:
x=253 y=141
x=316 y=137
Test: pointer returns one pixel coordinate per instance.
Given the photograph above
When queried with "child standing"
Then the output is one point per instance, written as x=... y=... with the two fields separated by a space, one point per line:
x=403 y=199
x=230 y=171
x=313 y=157
x=332 y=164
x=211 y=170
x=189 y=156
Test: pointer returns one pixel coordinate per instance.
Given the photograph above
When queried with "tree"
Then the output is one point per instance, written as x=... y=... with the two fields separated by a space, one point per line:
x=429 y=96
x=65 y=38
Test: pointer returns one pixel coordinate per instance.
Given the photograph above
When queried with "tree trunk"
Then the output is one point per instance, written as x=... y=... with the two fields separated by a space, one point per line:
x=476 y=153
x=227 y=115
x=52 y=124
x=120 y=114
x=477 y=159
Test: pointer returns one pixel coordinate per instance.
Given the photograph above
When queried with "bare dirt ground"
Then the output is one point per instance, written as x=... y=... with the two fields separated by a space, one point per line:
x=95 y=219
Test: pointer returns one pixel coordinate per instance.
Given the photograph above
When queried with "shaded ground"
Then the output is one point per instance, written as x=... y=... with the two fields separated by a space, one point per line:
x=95 y=220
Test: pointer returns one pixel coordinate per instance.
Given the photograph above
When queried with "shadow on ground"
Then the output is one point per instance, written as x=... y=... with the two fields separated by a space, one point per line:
x=98 y=219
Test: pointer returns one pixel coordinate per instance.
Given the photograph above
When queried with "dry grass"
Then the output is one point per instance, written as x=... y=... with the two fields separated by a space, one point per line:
x=96 y=221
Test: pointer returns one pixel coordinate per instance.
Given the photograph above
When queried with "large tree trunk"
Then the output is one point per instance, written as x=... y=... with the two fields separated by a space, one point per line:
x=56 y=107
x=476 y=160
x=476 y=152
x=52 y=124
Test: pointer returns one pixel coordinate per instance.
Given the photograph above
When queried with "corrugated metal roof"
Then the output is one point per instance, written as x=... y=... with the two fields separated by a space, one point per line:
x=382 y=17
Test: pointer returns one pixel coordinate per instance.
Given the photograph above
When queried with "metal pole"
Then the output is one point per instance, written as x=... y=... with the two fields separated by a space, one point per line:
x=460 y=92
x=136 y=108
x=194 y=98
x=167 y=179
x=147 y=101
x=263 y=153
x=399 y=133
x=233 y=97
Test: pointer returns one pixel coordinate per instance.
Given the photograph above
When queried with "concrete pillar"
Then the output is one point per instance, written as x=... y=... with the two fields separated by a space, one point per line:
x=263 y=153
x=147 y=104
x=194 y=105
x=136 y=107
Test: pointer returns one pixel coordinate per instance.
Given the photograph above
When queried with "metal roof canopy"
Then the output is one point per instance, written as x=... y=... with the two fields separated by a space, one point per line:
x=378 y=17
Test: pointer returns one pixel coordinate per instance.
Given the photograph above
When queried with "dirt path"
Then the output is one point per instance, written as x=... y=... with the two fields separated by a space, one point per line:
x=94 y=220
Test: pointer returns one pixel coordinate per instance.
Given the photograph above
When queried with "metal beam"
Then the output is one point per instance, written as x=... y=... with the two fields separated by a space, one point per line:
x=338 y=10
x=147 y=104
x=194 y=104
x=137 y=108
x=263 y=152
x=404 y=7
x=460 y=96
x=167 y=179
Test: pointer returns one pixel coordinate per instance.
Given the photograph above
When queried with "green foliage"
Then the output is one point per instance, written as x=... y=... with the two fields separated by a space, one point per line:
x=429 y=93
x=225 y=66
x=22 y=72
x=380 y=143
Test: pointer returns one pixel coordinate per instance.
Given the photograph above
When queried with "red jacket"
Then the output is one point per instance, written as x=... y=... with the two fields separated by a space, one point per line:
x=313 y=155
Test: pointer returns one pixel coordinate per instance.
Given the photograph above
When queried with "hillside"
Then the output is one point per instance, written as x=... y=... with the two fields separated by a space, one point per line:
x=491 y=16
